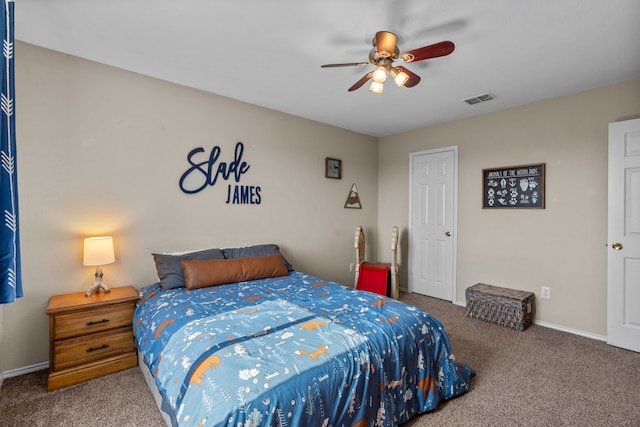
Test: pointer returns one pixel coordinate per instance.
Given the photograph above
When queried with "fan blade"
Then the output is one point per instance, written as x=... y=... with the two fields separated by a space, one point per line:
x=347 y=64
x=414 y=79
x=361 y=82
x=427 y=52
x=386 y=43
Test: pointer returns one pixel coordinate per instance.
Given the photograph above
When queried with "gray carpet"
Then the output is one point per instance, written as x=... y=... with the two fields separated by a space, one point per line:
x=539 y=377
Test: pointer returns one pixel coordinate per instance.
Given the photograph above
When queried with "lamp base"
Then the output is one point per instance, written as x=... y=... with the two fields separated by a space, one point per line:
x=98 y=284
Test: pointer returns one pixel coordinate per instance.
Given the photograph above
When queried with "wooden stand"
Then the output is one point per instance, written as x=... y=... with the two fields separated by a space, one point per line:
x=90 y=336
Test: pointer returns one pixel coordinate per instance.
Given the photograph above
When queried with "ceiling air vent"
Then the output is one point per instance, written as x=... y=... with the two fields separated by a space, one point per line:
x=480 y=98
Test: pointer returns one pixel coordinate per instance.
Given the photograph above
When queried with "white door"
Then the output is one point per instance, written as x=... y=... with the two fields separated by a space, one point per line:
x=432 y=222
x=623 y=261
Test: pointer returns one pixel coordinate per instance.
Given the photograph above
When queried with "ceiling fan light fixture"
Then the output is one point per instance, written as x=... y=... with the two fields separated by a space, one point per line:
x=385 y=51
x=376 y=87
x=399 y=77
x=379 y=75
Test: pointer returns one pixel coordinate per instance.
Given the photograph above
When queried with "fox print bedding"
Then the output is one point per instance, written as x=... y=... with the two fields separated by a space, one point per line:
x=293 y=350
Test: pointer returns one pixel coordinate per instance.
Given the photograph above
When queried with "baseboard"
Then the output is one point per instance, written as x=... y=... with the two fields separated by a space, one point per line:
x=557 y=327
x=23 y=370
x=571 y=330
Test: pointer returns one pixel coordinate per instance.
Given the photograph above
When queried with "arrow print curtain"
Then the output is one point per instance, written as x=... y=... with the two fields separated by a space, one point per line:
x=10 y=276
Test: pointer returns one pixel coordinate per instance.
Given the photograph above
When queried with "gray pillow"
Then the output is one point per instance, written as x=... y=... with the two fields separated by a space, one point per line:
x=257 y=250
x=170 y=270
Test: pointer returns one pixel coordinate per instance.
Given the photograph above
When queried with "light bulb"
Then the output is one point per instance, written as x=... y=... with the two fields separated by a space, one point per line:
x=379 y=75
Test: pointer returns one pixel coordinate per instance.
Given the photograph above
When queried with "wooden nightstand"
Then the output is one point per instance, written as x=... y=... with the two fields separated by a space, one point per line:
x=90 y=336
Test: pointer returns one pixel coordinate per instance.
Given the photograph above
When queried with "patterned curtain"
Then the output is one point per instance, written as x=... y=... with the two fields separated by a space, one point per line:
x=10 y=276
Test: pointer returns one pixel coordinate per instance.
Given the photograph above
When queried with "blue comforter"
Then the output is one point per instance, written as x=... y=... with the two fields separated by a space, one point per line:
x=293 y=351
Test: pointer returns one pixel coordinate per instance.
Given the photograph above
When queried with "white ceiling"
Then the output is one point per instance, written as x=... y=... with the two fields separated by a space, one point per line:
x=269 y=52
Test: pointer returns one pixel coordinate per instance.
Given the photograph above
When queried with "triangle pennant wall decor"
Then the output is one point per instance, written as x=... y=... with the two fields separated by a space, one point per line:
x=353 y=200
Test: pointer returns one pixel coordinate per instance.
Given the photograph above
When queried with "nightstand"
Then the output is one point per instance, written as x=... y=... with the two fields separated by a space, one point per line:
x=90 y=337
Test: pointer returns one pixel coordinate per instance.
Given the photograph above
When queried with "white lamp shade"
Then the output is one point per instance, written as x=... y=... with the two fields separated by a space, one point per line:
x=376 y=87
x=399 y=77
x=98 y=251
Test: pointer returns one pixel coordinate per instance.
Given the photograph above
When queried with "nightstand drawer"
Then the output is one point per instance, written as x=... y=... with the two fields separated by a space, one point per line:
x=91 y=321
x=84 y=349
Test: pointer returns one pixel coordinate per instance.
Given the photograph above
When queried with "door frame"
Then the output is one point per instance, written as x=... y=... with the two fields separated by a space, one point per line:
x=454 y=260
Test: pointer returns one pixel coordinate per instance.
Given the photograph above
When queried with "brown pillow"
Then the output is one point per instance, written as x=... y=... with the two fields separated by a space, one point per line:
x=213 y=272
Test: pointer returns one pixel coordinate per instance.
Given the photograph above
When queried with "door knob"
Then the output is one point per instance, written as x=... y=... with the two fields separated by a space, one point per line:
x=448 y=234
x=616 y=246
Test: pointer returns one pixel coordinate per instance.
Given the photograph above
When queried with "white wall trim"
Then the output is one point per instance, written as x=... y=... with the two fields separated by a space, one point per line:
x=23 y=370
x=557 y=327
x=571 y=330
x=460 y=303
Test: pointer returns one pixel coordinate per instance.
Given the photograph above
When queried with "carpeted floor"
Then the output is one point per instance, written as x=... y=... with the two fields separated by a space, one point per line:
x=539 y=377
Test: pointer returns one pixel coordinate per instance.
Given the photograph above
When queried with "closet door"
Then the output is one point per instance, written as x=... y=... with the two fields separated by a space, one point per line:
x=432 y=224
x=623 y=260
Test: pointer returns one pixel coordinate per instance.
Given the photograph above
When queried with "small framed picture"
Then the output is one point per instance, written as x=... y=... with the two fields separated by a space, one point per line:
x=333 y=168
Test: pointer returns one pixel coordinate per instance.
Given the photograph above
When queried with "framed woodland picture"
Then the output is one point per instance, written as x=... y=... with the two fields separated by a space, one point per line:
x=513 y=187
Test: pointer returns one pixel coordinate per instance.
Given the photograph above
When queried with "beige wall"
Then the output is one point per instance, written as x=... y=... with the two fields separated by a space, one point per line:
x=101 y=150
x=562 y=246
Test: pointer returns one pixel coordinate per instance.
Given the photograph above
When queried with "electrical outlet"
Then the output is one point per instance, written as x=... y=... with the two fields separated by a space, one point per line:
x=545 y=292
x=352 y=267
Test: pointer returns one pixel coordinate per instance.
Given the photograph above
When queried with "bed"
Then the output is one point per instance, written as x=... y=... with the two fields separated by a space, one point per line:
x=267 y=345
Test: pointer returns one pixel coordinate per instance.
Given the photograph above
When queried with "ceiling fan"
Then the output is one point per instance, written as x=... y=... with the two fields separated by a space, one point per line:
x=385 y=51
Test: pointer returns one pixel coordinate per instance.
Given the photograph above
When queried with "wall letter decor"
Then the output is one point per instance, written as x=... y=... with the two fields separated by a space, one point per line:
x=203 y=173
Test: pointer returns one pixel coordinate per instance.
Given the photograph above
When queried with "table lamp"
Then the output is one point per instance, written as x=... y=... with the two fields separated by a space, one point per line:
x=98 y=251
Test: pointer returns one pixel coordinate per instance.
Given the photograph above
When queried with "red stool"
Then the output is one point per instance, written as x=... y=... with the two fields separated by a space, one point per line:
x=374 y=277
x=378 y=277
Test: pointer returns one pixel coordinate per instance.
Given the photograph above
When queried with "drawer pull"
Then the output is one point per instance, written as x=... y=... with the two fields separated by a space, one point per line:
x=98 y=322
x=102 y=347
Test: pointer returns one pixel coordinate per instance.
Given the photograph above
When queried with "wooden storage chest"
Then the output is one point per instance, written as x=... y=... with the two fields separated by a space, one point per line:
x=502 y=306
